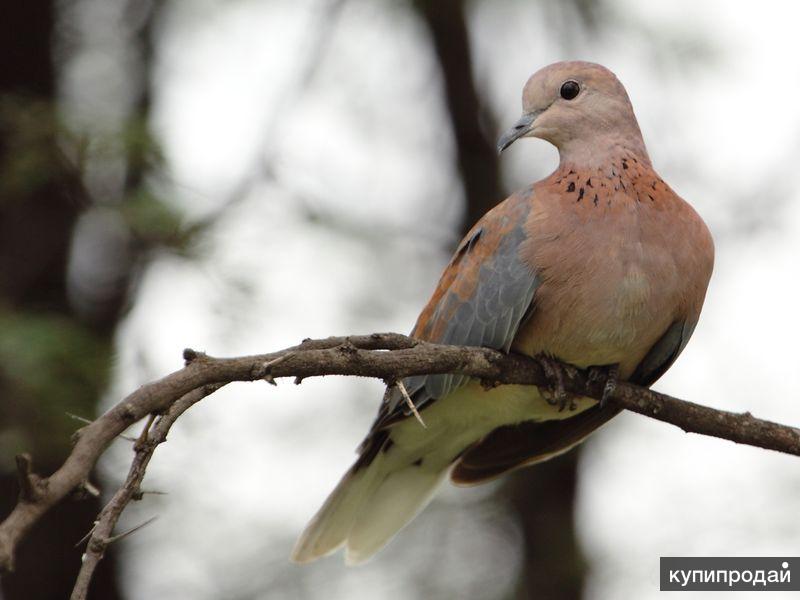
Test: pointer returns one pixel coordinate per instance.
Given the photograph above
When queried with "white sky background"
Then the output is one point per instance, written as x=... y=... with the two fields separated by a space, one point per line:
x=366 y=150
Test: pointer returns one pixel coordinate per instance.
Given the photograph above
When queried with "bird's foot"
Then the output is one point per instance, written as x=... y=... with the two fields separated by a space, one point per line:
x=557 y=395
x=609 y=374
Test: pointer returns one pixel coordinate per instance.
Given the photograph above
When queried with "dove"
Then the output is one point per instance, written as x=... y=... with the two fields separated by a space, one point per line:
x=600 y=265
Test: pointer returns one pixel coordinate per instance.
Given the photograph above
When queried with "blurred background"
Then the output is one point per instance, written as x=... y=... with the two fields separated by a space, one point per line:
x=234 y=176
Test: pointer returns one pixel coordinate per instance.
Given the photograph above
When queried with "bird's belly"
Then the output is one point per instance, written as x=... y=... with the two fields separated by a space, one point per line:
x=616 y=321
x=613 y=319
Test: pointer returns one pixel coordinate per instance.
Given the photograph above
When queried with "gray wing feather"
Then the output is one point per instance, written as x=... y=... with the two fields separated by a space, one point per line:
x=663 y=353
x=490 y=318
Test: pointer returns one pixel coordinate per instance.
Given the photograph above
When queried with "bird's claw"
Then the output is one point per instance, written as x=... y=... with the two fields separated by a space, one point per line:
x=558 y=395
x=609 y=374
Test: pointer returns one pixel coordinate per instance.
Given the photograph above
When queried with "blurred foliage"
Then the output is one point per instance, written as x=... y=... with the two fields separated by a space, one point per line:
x=49 y=366
x=29 y=160
x=53 y=361
x=153 y=222
x=139 y=146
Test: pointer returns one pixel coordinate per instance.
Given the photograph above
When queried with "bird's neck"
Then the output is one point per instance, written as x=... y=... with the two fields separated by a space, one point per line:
x=607 y=176
x=605 y=149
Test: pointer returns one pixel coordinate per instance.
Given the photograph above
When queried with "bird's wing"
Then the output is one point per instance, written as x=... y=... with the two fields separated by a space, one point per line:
x=664 y=352
x=484 y=294
x=515 y=446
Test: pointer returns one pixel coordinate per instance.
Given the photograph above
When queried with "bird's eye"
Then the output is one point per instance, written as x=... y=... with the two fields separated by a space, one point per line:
x=570 y=89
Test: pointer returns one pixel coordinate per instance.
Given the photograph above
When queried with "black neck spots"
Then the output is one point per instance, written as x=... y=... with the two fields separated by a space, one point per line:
x=622 y=180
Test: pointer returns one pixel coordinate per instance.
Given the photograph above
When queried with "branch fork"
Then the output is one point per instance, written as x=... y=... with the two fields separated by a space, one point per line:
x=387 y=356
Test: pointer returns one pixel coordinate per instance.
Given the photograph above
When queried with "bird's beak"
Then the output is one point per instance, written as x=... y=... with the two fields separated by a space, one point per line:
x=520 y=129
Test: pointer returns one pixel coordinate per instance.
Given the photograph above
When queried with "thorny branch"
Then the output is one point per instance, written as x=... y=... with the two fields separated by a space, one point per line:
x=390 y=357
x=154 y=433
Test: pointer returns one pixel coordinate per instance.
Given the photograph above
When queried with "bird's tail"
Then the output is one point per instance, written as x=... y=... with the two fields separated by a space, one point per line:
x=368 y=507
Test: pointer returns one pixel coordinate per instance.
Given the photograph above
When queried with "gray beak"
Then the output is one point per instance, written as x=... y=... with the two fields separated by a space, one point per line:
x=519 y=129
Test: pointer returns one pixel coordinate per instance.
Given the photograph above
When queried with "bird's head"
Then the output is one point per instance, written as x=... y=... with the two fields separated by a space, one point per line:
x=578 y=107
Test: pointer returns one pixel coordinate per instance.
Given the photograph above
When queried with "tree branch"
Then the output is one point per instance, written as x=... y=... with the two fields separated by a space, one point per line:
x=154 y=433
x=385 y=356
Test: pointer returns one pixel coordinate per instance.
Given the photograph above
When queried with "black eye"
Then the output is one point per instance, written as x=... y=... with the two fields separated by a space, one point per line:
x=570 y=89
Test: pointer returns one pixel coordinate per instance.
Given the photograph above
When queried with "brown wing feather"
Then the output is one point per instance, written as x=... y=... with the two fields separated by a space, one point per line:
x=514 y=446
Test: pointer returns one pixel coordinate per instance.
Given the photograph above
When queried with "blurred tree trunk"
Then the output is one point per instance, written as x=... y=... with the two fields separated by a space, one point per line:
x=53 y=361
x=543 y=496
x=476 y=153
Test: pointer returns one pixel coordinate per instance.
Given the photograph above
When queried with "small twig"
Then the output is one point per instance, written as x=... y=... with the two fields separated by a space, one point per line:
x=30 y=483
x=409 y=402
x=141 y=441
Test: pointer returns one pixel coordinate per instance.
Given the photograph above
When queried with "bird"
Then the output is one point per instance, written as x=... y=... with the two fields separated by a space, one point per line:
x=600 y=265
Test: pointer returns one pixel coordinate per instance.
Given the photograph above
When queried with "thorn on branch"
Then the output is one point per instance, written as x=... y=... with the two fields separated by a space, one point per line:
x=86 y=489
x=77 y=435
x=409 y=402
x=78 y=418
x=91 y=489
x=140 y=493
x=116 y=538
x=87 y=536
x=263 y=371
